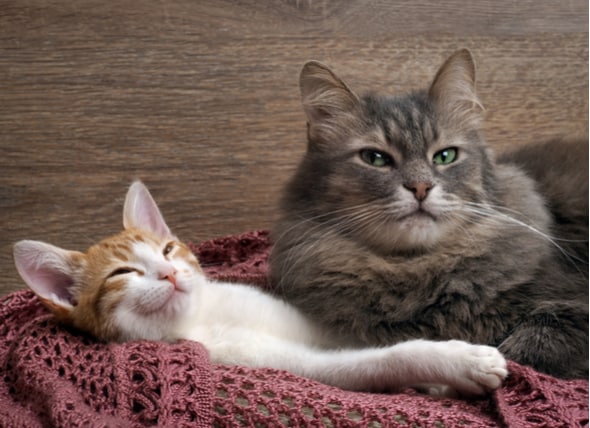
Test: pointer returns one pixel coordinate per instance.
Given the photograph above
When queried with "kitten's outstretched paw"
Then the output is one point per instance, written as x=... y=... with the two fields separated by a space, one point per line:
x=490 y=369
x=483 y=368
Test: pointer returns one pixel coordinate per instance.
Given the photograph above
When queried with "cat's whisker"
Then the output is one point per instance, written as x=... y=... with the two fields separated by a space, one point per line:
x=461 y=212
x=358 y=218
x=487 y=211
x=331 y=216
x=503 y=210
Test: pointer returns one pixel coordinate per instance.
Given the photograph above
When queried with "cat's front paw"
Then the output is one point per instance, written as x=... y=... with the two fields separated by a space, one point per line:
x=482 y=368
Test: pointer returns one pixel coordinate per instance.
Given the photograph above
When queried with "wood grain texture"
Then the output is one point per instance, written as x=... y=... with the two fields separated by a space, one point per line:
x=201 y=101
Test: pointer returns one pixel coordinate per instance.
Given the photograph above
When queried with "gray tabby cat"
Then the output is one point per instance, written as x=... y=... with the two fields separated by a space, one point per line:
x=400 y=223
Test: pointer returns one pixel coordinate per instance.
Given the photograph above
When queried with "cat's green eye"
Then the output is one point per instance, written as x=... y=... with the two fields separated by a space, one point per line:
x=445 y=156
x=376 y=158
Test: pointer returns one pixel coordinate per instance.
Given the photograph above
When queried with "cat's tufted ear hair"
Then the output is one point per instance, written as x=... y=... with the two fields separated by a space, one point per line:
x=327 y=100
x=50 y=272
x=453 y=90
x=141 y=212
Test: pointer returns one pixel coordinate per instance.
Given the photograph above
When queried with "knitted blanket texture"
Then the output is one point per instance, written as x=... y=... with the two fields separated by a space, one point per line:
x=51 y=376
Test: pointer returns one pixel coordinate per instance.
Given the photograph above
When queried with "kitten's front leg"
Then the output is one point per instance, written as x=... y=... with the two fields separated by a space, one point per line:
x=461 y=367
x=469 y=369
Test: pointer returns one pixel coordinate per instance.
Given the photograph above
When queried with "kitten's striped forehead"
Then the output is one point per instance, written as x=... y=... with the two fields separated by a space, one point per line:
x=122 y=247
x=132 y=246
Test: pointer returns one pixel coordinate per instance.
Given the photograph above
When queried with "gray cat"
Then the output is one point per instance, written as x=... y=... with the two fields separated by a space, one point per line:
x=400 y=223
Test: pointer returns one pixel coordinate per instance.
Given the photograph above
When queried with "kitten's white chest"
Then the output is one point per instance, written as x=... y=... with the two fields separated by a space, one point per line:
x=228 y=312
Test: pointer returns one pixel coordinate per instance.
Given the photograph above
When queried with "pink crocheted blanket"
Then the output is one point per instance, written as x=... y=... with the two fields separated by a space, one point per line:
x=55 y=377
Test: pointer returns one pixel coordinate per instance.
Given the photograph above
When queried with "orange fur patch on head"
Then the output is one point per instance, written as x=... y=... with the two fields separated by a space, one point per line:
x=186 y=253
x=61 y=314
x=98 y=298
x=99 y=293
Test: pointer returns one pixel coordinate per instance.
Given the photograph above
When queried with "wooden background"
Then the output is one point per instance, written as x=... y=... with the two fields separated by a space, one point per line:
x=200 y=99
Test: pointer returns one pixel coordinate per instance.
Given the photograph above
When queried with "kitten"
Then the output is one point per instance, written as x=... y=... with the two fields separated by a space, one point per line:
x=145 y=284
x=400 y=224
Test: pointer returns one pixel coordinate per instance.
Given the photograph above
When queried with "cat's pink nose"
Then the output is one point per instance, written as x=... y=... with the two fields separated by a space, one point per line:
x=169 y=276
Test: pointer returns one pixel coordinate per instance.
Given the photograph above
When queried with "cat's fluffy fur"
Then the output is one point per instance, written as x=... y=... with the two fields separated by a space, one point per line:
x=400 y=224
x=145 y=284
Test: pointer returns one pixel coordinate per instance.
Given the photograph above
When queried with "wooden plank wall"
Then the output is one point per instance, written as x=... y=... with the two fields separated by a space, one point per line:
x=200 y=98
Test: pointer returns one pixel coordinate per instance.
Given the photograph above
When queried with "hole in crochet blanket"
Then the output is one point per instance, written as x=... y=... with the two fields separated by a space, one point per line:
x=248 y=386
x=105 y=392
x=242 y=401
x=263 y=409
x=137 y=407
x=268 y=394
x=221 y=393
x=137 y=376
x=288 y=401
x=401 y=419
x=328 y=423
x=220 y=410
x=335 y=405
x=354 y=415
x=240 y=420
x=227 y=380
x=285 y=419
x=308 y=412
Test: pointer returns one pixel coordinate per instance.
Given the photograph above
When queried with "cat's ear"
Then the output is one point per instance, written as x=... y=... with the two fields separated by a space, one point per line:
x=50 y=272
x=141 y=212
x=326 y=99
x=453 y=90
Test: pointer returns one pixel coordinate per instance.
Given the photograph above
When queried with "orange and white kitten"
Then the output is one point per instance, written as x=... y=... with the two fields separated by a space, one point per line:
x=145 y=284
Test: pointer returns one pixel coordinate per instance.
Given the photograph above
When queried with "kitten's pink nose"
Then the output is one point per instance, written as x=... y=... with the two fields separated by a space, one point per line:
x=420 y=189
x=169 y=276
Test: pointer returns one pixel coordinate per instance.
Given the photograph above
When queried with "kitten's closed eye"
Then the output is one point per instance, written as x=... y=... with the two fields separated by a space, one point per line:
x=121 y=271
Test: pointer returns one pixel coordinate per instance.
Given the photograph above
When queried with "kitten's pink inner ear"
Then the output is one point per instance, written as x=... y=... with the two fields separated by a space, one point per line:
x=47 y=270
x=48 y=282
x=141 y=212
